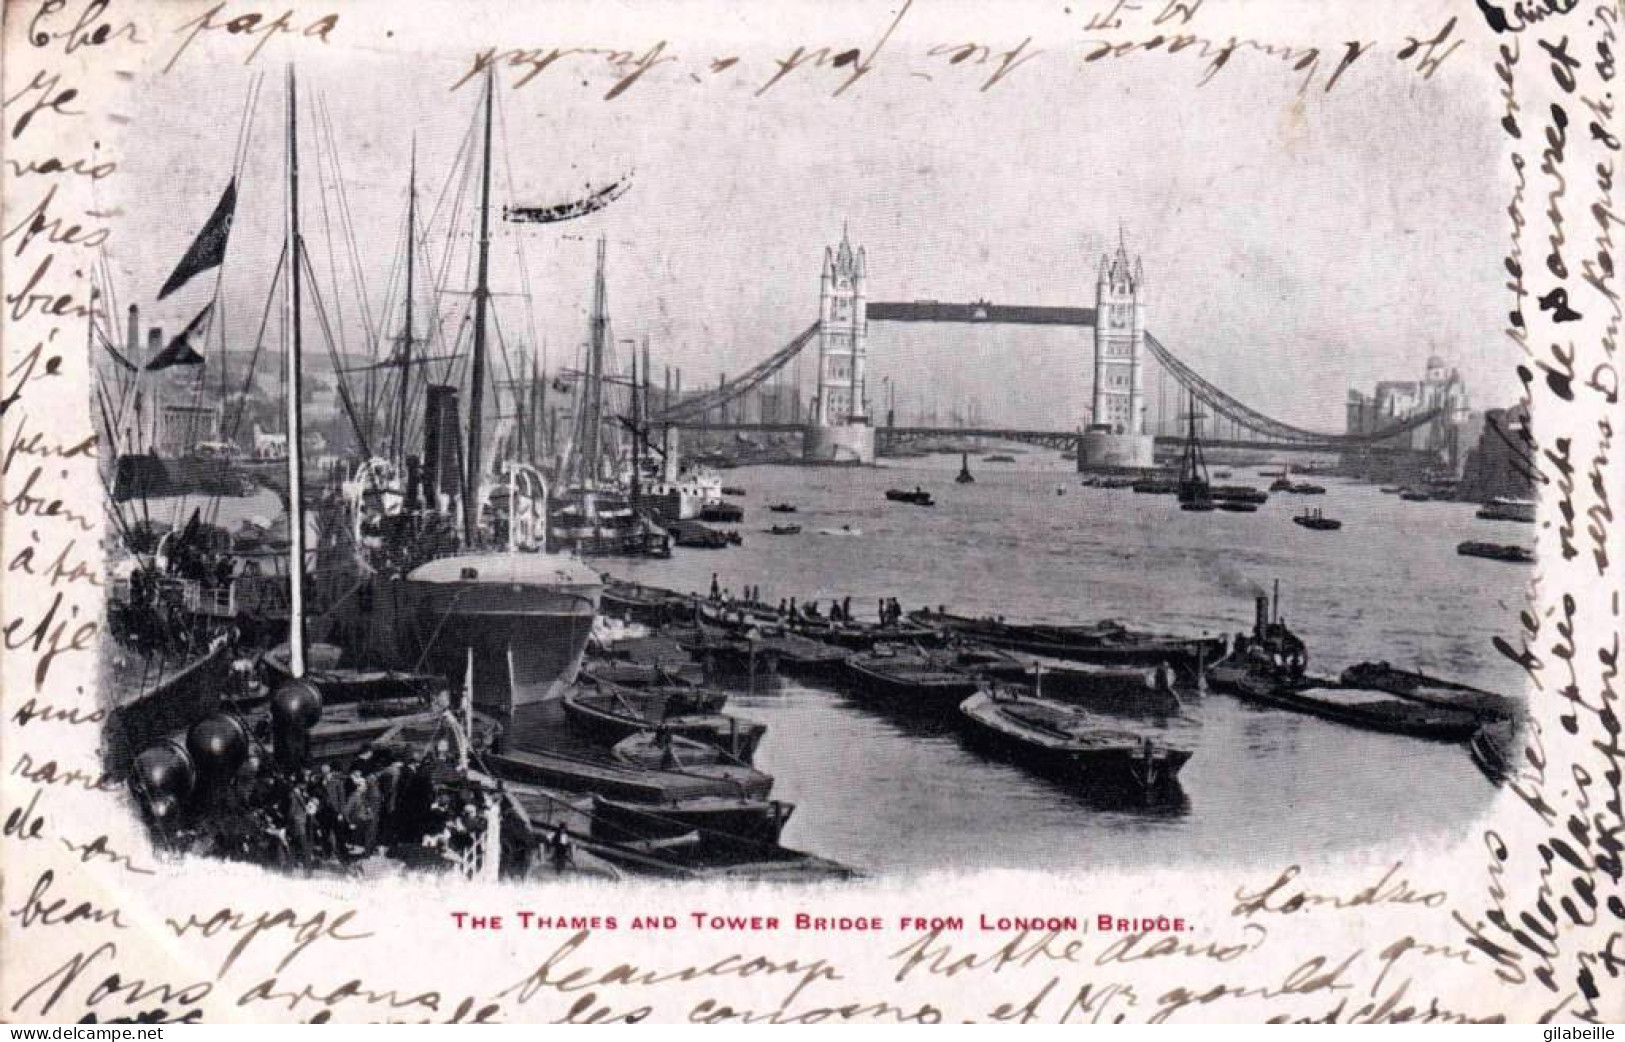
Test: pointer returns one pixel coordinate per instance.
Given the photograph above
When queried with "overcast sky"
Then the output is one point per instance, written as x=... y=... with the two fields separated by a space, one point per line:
x=1293 y=247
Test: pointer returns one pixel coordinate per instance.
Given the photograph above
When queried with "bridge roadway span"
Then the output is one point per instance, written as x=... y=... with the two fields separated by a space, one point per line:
x=1051 y=439
x=978 y=312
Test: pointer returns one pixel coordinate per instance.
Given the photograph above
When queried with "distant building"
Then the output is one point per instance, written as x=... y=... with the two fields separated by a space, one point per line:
x=1395 y=401
x=1499 y=461
x=181 y=428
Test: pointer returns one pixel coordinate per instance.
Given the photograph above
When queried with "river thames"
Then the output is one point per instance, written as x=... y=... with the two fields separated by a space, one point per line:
x=1027 y=541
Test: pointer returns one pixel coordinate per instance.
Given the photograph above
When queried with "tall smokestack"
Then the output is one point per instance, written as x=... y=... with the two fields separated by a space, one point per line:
x=155 y=340
x=132 y=338
x=1261 y=616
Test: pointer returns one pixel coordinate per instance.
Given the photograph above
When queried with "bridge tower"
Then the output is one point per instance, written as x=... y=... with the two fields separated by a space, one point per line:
x=1116 y=436
x=839 y=430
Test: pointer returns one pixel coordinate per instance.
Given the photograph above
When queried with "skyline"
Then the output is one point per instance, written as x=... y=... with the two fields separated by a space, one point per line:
x=1287 y=275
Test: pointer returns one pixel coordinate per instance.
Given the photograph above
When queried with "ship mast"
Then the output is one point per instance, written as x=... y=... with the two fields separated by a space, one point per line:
x=637 y=432
x=482 y=292
x=406 y=335
x=296 y=512
x=594 y=403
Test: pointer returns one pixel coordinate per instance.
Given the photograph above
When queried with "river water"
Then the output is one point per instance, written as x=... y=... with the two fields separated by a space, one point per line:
x=1026 y=541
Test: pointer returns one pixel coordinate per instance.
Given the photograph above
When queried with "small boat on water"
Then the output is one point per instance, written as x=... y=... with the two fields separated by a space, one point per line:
x=1153 y=486
x=1070 y=744
x=1391 y=490
x=739 y=817
x=805 y=657
x=637 y=801
x=1493 y=747
x=339 y=684
x=1371 y=709
x=652 y=699
x=1411 y=495
x=1496 y=551
x=965 y=476
x=724 y=513
x=635 y=602
x=1236 y=506
x=695 y=535
x=1304 y=488
x=1221 y=473
x=1504 y=509
x=732 y=490
x=783 y=508
x=610 y=715
x=1223 y=494
x=662 y=750
x=1108 y=642
x=784 y=530
x=919 y=497
x=1123 y=690
x=1317 y=521
x=844 y=530
x=1419 y=687
x=726 y=652
x=998 y=457
x=650 y=674
x=910 y=679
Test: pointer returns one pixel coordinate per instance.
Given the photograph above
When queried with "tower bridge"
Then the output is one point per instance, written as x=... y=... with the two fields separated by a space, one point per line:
x=839 y=428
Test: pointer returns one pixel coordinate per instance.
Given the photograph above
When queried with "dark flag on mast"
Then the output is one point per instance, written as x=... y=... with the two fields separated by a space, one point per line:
x=209 y=248
x=180 y=350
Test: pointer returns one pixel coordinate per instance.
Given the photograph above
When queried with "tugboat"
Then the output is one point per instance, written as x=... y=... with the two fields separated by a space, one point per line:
x=919 y=497
x=965 y=477
x=1318 y=521
x=1283 y=482
x=783 y=508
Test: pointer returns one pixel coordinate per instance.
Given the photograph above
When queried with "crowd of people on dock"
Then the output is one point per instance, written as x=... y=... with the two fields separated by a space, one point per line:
x=416 y=808
x=889 y=612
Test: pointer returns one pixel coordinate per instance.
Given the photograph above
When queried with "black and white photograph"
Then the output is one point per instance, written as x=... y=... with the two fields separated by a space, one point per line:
x=574 y=450
x=806 y=502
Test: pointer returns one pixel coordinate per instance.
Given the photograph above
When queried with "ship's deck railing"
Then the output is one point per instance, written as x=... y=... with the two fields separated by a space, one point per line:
x=260 y=595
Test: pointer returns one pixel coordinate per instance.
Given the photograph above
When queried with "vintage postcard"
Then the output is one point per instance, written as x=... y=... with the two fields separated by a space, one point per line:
x=1084 y=511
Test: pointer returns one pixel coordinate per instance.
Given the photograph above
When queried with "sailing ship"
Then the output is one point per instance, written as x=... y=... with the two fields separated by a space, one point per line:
x=1193 y=488
x=521 y=612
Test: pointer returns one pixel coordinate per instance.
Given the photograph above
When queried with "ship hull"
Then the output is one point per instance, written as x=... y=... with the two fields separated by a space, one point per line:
x=524 y=632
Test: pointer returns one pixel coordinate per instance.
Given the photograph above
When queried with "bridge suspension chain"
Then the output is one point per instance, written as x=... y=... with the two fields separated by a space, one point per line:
x=746 y=381
x=1255 y=421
